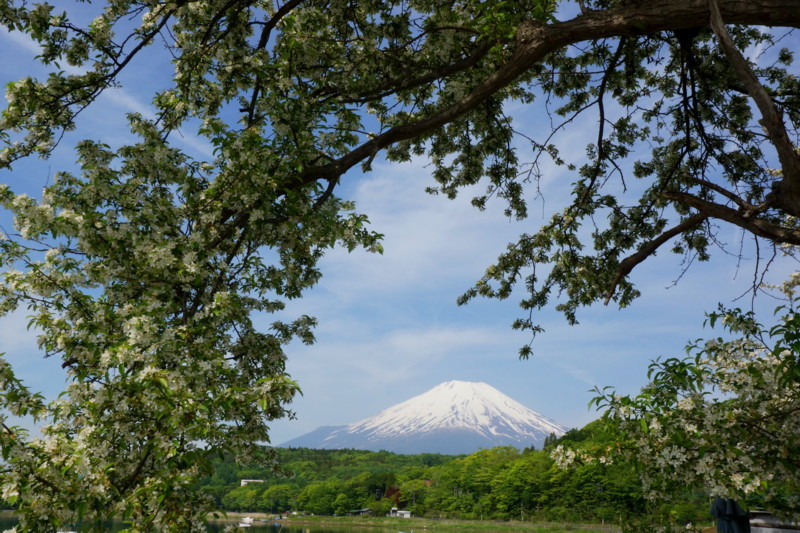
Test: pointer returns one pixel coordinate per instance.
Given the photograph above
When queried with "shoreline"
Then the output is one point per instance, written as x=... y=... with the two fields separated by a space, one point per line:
x=414 y=523
x=445 y=524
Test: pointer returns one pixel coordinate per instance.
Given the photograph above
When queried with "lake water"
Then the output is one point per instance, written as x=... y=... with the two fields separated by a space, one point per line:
x=7 y=522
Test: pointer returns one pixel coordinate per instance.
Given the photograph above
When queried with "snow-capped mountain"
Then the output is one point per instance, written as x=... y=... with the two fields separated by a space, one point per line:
x=454 y=417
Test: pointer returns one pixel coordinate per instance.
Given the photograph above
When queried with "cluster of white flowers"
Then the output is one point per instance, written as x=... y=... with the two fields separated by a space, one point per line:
x=141 y=274
x=724 y=419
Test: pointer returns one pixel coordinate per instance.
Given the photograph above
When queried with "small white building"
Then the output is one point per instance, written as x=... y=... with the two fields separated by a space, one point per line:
x=246 y=482
x=399 y=514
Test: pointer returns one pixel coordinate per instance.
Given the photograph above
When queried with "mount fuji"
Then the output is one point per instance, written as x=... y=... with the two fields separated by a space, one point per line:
x=455 y=417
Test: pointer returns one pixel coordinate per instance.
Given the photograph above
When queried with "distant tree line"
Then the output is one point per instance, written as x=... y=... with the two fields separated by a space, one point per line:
x=499 y=483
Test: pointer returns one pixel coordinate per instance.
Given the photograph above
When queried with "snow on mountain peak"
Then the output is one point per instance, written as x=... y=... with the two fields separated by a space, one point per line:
x=473 y=406
x=454 y=417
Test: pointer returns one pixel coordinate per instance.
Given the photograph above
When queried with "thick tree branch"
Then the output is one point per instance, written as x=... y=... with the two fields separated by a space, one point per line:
x=536 y=40
x=649 y=248
x=756 y=226
x=787 y=196
x=724 y=192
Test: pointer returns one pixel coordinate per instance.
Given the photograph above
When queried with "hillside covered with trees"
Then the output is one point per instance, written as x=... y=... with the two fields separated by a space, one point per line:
x=499 y=483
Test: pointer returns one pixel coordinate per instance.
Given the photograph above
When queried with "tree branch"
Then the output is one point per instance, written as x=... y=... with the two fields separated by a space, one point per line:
x=756 y=226
x=410 y=81
x=266 y=31
x=534 y=41
x=649 y=248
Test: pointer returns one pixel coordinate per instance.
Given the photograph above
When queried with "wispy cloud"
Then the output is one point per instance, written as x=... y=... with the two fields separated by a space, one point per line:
x=428 y=239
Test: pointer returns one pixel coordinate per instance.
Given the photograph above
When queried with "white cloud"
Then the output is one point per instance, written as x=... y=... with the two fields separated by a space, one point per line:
x=394 y=355
x=430 y=242
x=21 y=40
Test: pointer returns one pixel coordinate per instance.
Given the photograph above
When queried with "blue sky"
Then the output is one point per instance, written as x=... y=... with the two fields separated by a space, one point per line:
x=389 y=326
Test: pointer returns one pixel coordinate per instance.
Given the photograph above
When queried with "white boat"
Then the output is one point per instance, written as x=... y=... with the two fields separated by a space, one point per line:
x=247 y=521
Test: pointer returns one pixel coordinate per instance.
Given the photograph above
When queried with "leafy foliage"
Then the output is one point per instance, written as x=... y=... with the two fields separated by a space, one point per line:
x=143 y=269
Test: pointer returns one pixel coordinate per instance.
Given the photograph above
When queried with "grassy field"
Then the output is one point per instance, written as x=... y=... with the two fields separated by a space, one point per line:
x=420 y=524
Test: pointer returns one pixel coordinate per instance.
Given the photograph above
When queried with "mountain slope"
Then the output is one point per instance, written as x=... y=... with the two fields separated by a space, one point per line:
x=452 y=418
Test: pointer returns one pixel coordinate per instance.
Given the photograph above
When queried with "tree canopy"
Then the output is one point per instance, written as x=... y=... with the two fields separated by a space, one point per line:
x=501 y=483
x=142 y=270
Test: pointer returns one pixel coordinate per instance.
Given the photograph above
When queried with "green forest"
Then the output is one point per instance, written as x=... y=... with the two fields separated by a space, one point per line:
x=501 y=483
